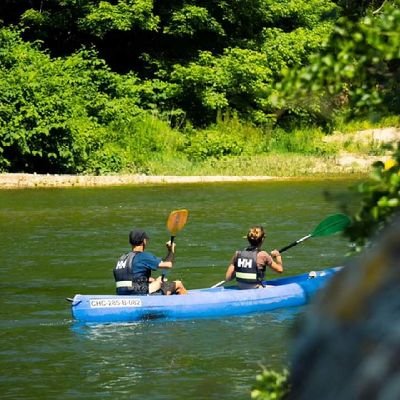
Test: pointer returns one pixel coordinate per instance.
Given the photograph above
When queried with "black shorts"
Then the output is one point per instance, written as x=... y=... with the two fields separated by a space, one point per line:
x=141 y=289
x=168 y=287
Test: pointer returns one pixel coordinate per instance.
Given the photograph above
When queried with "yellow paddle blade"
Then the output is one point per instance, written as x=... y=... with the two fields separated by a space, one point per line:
x=177 y=220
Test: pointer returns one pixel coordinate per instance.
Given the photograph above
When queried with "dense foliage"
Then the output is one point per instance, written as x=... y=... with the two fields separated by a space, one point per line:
x=65 y=108
x=358 y=70
x=109 y=86
x=207 y=57
x=71 y=114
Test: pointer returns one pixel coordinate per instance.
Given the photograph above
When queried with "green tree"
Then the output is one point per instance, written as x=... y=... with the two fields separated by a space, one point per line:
x=59 y=115
x=159 y=40
x=357 y=71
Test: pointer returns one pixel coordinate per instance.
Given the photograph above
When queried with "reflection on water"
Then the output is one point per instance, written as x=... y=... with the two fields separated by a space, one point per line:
x=95 y=331
x=59 y=242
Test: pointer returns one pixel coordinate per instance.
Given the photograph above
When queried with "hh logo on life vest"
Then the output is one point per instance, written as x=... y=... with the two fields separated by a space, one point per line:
x=121 y=264
x=245 y=263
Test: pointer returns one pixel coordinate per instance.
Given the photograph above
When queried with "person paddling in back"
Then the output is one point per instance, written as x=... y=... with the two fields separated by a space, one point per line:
x=133 y=270
x=248 y=266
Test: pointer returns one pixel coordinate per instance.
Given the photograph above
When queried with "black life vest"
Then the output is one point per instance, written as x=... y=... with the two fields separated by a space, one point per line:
x=125 y=281
x=123 y=274
x=246 y=266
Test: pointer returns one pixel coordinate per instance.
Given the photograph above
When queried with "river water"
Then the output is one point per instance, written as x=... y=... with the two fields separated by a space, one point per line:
x=59 y=242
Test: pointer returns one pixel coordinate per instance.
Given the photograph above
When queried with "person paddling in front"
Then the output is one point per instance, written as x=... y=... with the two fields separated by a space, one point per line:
x=248 y=266
x=132 y=272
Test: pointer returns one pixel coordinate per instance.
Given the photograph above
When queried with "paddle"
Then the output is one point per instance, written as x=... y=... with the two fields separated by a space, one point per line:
x=332 y=224
x=175 y=222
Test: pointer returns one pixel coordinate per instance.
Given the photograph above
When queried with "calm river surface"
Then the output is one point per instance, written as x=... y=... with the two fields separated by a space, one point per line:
x=58 y=242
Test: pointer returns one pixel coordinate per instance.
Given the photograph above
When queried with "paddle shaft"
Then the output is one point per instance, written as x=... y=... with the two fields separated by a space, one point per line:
x=295 y=243
x=218 y=284
x=164 y=273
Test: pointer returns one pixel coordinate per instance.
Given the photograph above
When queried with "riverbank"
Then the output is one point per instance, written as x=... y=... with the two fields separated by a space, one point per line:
x=275 y=167
x=16 y=181
x=21 y=181
x=347 y=165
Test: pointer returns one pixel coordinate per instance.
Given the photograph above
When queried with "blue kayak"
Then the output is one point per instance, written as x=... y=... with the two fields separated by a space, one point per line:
x=201 y=303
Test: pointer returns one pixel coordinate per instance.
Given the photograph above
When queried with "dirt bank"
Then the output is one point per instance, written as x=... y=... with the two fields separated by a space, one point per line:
x=15 y=181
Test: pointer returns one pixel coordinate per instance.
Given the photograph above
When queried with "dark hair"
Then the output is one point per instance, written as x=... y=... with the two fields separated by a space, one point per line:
x=136 y=237
x=256 y=235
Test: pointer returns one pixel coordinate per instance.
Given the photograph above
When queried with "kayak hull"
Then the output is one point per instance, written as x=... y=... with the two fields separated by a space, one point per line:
x=201 y=303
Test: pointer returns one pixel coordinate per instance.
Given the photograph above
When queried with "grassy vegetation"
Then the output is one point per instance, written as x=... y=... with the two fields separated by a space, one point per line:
x=233 y=148
x=364 y=124
x=280 y=165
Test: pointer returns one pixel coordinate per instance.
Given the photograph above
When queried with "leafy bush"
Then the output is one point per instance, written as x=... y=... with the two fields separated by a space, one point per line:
x=271 y=385
x=71 y=115
x=302 y=141
x=209 y=144
x=379 y=201
x=105 y=17
x=228 y=137
x=237 y=80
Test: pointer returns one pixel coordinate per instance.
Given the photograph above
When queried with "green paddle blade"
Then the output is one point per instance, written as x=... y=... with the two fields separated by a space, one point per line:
x=332 y=224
